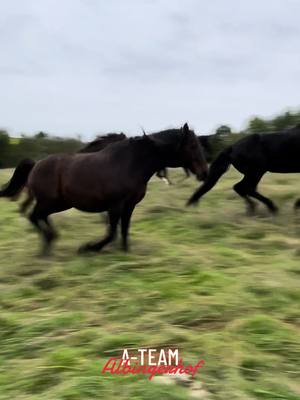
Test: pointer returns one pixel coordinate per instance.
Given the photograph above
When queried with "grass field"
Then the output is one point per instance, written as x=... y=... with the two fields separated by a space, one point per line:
x=218 y=284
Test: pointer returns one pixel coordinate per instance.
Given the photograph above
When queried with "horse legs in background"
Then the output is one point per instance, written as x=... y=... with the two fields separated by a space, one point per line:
x=187 y=174
x=163 y=174
x=246 y=188
x=114 y=217
x=297 y=204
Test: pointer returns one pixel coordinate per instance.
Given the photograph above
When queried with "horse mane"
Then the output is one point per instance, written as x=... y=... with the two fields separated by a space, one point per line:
x=102 y=141
x=168 y=136
x=109 y=136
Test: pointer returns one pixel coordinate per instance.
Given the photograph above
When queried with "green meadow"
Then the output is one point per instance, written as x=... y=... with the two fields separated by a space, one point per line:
x=216 y=283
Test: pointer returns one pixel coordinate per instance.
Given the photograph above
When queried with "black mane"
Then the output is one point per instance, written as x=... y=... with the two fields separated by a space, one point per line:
x=102 y=141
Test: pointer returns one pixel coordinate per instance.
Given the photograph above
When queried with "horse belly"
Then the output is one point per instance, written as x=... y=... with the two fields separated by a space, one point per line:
x=284 y=157
x=95 y=193
x=285 y=165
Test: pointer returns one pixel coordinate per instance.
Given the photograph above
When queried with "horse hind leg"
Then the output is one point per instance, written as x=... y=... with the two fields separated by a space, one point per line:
x=256 y=195
x=265 y=200
x=248 y=186
x=39 y=217
x=241 y=188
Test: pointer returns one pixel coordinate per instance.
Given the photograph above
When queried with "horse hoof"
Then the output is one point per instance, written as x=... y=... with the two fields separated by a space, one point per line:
x=45 y=253
x=84 y=249
x=251 y=213
x=297 y=205
x=126 y=249
x=191 y=203
x=87 y=248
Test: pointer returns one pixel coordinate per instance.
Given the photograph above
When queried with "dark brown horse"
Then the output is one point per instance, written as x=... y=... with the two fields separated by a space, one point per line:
x=114 y=180
x=104 y=140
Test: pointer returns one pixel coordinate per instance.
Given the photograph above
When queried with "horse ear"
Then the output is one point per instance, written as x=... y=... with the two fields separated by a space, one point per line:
x=148 y=138
x=185 y=131
x=186 y=128
x=185 y=134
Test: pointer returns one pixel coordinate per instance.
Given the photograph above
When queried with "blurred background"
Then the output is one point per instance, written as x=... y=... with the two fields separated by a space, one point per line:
x=210 y=280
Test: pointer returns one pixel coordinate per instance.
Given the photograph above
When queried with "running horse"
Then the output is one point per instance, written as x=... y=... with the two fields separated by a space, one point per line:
x=113 y=179
x=253 y=156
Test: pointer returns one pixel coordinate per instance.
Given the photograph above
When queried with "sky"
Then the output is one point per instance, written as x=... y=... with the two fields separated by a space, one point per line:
x=72 y=67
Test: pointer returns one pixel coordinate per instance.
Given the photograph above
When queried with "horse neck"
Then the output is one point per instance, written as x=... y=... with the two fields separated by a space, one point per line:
x=148 y=159
x=170 y=138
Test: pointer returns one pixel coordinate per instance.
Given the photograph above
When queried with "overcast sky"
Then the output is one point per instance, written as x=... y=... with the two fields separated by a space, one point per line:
x=88 y=66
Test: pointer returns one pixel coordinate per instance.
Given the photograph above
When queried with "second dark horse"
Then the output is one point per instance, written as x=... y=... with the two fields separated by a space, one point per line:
x=114 y=180
x=253 y=156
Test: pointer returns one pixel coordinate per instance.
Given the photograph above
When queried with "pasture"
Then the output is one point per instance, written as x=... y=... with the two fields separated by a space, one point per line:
x=220 y=285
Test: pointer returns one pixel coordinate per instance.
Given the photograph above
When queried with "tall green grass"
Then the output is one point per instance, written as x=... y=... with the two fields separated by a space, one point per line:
x=218 y=284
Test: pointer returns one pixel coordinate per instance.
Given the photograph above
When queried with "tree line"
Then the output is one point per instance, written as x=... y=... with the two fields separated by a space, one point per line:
x=13 y=150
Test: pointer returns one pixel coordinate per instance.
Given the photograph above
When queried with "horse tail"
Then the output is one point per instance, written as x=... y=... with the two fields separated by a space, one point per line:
x=18 y=180
x=218 y=167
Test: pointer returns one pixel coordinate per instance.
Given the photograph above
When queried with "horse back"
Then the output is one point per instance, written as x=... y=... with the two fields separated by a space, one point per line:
x=247 y=152
x=282 y=151
x=273 y=152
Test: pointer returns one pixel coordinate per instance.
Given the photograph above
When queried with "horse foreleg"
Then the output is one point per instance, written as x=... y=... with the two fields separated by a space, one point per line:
x=114 y=217
x=125 y=222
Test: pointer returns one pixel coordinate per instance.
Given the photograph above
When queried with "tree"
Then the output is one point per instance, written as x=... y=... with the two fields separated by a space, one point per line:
x=223 y=130
x=41 y=135
x=285 y=121
x=258 y=125
x=4 y=147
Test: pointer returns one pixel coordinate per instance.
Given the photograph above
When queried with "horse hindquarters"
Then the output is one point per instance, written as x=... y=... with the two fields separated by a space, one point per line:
x=44 y=187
